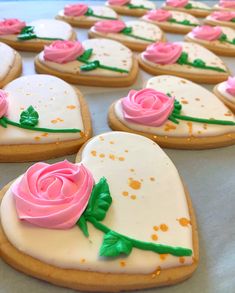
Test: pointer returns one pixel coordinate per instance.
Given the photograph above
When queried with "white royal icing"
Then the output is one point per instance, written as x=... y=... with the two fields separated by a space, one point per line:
x=156 y=202
x=108 y=52
x=7 y=55
x=178 y=16
x=98 y=10
x=229 y=32
x=139 y=28
x=222 y=90
x=195 y=4
x=50 y=96
x=147 y=4
x=196 y=102
x=218 y=7
x=194 y=51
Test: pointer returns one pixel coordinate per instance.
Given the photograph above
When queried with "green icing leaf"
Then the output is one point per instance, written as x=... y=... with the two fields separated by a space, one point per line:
x=3 y=123
x=223 y=38
x=232 y=20
x=127 y=30
x=100 y=201
x=29 y=117
x=132 y=6
x=188 y=6
x=27 y=33
x=82 y=224
x=86 y=55
x=114 y=244
x=199 y=63
x=89 y=12
x=183 y=58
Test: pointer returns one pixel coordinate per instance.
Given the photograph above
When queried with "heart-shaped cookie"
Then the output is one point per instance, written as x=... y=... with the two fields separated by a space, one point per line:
x=223 y=18
x=41 y=117
x=226 y=92
x=135 y=34
x=82 y=15
x=175 y=113
x=131 y=7
x=184 y=59
x=134 y=230
x=97 y=62
x=11 y=64
x=219 y=39
x=196 y=8
x=172 y=21
x=34 y=35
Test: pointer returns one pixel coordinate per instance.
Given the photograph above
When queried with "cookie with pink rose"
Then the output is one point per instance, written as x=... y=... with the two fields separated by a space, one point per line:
x=184 y=59
x=85 y=208
x=225 y=5
x=221 y=18
x=134 y=34
x=131 y=7
x=196 y=8
x=171 y=21
x=226 y=92
x=94 y=62
x=82 y=15
x=218 y=39
x=41 y=117
x=175 y=113
x=34 y=35
x=11 y=64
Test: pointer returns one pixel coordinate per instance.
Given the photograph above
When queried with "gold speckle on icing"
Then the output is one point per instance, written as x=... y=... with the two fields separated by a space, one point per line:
x=163 y=256
x=101 y=138
x=197 y=99
x=122 y=263
x=157 y=272
x=126 y=151
x=37 y=137
x=190 y=128
x=101 y=155
x=164 y=227
x=45 y=134
x=184 y=222
x=152 y=179
x=82 y=260
x=22 y=108
x=155 y=228
x=184 y=102
x=71 y=107
x=228 y=114
x=112 y=157
x=111 y=142
x=132 y=170
x=133 y=196
x=181 y=259
x=93 y=153
x=134 y=184
x=125 y=193
x=121 y=159
x=205 y=126
x=154 y=237
x=169 y=127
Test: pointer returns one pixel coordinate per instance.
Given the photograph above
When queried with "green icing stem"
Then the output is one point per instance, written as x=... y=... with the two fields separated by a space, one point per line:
x=91 y=13
x=6 y=121
x=190 y=6
x=200 y=120
x=183 y=22
x=138 y=37
x=131 y=6
x=158 y=248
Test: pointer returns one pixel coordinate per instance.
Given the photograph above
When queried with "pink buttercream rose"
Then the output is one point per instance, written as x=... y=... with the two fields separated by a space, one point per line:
x=176 y=3
x=63 y=51
x=147 y=107
x=227 y=4
x=53 y=196
x=223 y=15
x=11 y=26
x=118 y=2
x=163 y=53
x=109 y=26
x=75 y=9
x=3 y=103
x=206 y=32
x=158 y=15
x=230 y=86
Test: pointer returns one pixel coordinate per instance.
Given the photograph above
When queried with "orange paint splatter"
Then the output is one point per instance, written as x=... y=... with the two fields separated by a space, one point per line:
x=71 y=107
x=164 y=227
x=184 y=222
x=134 y=184
x=154 y=237
x=181 y=259
x=93 y=153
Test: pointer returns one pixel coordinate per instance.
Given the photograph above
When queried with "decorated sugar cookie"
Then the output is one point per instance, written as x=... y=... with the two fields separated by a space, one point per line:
x=172 y=21
x=175 y=113
x=41 y=117
x=131 y=7
x=35 y=35
x=135 y=34
x=120 y=225
x=227 y=5
x=226 y=92
x=218 y=39
x=223 y=18
x=196 y=8
x=184 y=59
x=97 y=62
x=82 y=15
x=11 y=64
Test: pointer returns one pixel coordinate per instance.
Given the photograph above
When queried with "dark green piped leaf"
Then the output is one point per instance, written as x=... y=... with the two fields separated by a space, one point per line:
x=27 y=33
x=3 y=123
x=199 y=63
x=89 y=12
x=113 y=245
x=82 y=224
x=183 y=58
x=188 y=6
x=232 y=20
x=86 y=55
x=100 y=201
x=127 y=30
x=29 y=117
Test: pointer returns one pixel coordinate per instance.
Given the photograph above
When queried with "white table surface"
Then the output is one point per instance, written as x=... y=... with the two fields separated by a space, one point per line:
x=209 y=175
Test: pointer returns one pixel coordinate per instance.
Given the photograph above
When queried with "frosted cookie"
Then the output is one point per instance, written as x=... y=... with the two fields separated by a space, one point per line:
x=195 y=8
x=218 y=39
x=41 y=117
x=189 y=60
x=225 y=5
x=226 y=92
x=82 y=15
x=131 y=7
x=224 y=18
x=90 y=208
x=135 y=34
x=11 y=64
x=97 y=62
x=175 y=113
x=172 y=21
x=35 y=35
